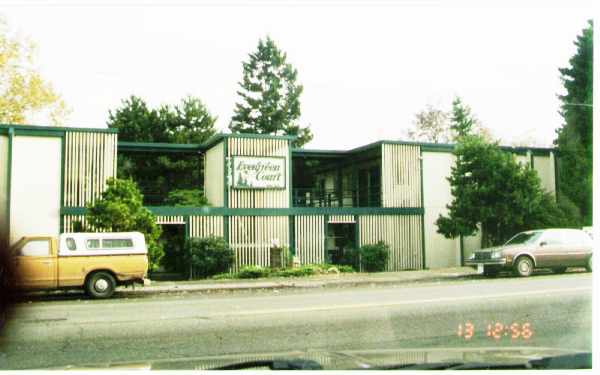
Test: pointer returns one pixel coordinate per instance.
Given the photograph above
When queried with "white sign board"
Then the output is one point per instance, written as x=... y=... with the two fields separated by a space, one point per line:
x=250 y=172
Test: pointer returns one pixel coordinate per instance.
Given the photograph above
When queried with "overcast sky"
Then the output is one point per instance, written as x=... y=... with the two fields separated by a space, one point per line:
x=366 y=69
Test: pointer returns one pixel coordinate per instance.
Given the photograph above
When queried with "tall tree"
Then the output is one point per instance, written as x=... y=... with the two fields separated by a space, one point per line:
x=463 y=122
x=574 y=138
x=23 y=91
x=159 y=175
x=270 y=96
x=490 y=188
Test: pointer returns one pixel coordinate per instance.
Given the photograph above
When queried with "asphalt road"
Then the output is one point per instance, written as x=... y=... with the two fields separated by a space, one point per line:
x=557 y=309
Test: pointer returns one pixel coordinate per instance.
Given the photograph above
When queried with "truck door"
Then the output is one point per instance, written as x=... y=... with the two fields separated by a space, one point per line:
x=36 y=264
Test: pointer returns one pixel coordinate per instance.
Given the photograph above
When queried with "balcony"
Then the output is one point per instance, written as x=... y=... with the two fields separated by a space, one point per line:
x=303 y=197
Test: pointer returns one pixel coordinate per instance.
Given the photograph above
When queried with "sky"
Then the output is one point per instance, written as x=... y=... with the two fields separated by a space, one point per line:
x=367 y=67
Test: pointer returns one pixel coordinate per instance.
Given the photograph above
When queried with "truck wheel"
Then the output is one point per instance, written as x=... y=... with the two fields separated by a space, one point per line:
x=524 y=266
x=100 y=285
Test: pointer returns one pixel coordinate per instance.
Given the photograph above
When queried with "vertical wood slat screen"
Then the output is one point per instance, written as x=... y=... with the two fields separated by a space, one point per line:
x=205 y=226
x=401 y=175
x=259 y=198
x=310 y=239
x=401 y=233
x=89 y=160
x=251 y=238
x=170 y=220
x=341 y=219
x=70 y=220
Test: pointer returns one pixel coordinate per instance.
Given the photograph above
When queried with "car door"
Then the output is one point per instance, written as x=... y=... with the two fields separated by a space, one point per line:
x=551 y=250
x=35 y=264
x=579 y=247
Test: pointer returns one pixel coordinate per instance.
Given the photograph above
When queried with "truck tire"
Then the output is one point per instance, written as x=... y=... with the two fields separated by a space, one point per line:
x=100 y=285
x=588 y=266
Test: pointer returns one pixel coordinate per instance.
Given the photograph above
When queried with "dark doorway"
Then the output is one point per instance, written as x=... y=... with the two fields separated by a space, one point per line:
x=340 y=238
x=173 y=241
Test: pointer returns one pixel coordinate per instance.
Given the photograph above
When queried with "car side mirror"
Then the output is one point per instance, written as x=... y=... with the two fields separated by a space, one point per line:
x=543 y=243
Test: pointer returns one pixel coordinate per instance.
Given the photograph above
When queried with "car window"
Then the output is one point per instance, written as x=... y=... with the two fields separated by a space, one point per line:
x=553 y=238
x=35 y=248
x=112 y=243
x=71 y=244
x=524 y=238
x=92 y=244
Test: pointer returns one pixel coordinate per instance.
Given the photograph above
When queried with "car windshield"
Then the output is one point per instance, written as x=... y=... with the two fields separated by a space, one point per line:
x=524 y=238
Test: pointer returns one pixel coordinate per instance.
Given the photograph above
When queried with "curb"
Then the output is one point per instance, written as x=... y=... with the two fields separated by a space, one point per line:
x=216 y=288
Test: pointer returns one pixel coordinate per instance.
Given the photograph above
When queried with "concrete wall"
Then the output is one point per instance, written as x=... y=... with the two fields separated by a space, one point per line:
x=36 y=183
x=213 y=175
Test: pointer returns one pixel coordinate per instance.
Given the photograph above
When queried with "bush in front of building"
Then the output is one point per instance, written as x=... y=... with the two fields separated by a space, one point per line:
x=252 y=272
x=351 y=258
x=374 y=257
x=208 y=256
x=186 y=197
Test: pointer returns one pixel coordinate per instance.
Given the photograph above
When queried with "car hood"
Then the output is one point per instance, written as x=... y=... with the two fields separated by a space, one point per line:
x=508 y=248
x=350 y=359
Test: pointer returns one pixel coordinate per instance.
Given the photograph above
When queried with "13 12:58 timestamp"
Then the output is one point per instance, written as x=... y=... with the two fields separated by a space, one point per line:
x=497 y=330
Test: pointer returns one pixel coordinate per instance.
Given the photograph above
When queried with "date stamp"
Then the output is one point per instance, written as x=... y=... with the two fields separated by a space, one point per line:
x=496 y=330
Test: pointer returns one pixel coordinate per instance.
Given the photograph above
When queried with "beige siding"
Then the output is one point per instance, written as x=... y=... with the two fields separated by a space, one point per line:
x=400 y=176
x=341 y=219
x=3 y=186
x=401 y=233
x=544 y=166
x=35 y=191
x=89 y=160
x=205 y=226
x=213 y=175
x=251 y=238
x=440 y=251
x=310 y=239
x=257 y=198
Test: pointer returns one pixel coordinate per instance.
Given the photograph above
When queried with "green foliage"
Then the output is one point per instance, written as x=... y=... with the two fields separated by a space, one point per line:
x=490 y=188
x=345 y=269
x=120 y=209
x=253 y=272
x=351 y=257
x=188 y=122
x=208 y=256
x=461 y=119
x=574 y=139
x=374 y=257
x=270 y=96
x=186 y=197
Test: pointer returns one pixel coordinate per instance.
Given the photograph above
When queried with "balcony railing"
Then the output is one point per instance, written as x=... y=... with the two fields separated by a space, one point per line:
x=336 y=198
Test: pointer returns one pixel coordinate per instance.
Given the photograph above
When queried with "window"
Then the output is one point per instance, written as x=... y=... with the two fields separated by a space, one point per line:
x=117 y=243
x=36 y=248
x=71 y=244
x=553 y=238
x=92 y=244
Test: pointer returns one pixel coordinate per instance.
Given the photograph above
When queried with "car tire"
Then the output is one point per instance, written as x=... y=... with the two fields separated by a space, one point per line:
x=100 y=285
x=559 y=269
x=524 y=266
x=588 y=266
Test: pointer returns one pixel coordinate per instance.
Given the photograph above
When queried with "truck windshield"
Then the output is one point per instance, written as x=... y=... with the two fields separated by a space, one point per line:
x=524 y=238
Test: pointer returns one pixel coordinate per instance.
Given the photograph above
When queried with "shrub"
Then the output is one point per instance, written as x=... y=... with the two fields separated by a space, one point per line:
x=223 y=276
x=345 y=269
x=253 y=272
x=208 y=256
x=186 y=197
x=351 y=257
x=374 y=257
x=306 y=270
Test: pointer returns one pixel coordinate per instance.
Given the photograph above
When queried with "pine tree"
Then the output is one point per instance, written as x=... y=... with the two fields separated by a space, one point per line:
x=574 y=139
x=270 y=96
x=461 y=119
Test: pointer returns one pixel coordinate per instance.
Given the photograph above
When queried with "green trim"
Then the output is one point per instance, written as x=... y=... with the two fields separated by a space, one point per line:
x=226 y=229
x=11 y=134
x=233 y=180
x=295 y=211
x=159 y=147
x=292 y=234
x=187 y=227
x=531 y=160
x=55 y=129
x=423 y=252
x=62 y=181
x=356 y=232
x=290 y=172
x=225 y=172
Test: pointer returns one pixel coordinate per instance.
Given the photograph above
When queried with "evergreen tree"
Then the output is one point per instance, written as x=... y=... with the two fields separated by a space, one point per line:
x=270 y=96
x=461 y=119
x=574 y=139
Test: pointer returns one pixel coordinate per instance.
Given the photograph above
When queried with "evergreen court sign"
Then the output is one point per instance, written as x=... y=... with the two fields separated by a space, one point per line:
x=258 y=172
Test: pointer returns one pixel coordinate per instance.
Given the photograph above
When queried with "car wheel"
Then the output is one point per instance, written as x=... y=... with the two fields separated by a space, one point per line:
x=524 y=266
x=588 y=266
x=559 y=269
x=100 y=285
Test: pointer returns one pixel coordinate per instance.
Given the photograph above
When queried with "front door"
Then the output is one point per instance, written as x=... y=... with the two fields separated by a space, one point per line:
x=36 y=265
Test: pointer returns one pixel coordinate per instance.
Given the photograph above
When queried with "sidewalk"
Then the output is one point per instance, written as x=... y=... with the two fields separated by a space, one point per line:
x=317 y=281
